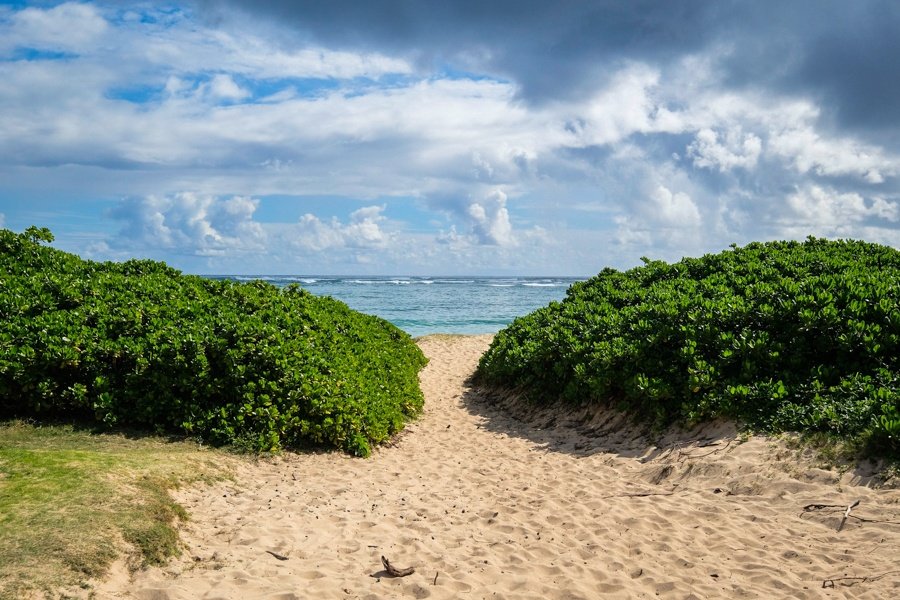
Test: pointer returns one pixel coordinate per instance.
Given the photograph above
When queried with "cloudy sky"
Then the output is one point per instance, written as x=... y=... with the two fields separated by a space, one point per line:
x=453 y=137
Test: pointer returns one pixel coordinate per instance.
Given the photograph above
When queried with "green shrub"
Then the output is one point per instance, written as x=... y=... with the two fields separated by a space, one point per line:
x=781 y=335
x=140 y=344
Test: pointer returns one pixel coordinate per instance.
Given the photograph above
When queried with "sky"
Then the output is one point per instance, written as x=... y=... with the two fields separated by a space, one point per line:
x=416 y=137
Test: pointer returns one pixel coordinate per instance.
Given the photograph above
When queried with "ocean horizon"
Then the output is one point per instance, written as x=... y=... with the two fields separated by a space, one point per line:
x=423 y=305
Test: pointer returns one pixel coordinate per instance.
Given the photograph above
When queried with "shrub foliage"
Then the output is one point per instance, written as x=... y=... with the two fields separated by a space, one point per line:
x=780 y=335
x=140 y=344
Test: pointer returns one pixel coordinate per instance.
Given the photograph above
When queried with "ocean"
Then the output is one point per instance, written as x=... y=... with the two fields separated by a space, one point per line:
x=425 y=305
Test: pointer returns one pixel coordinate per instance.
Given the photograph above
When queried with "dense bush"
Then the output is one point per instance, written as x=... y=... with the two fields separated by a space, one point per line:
x=140 y=344
x=781 y=335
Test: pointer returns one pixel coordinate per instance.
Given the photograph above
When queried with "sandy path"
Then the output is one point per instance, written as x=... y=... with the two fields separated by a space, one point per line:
x=487 y=506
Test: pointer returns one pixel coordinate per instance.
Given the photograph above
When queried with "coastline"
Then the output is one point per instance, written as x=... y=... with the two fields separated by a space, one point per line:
x=542 y=504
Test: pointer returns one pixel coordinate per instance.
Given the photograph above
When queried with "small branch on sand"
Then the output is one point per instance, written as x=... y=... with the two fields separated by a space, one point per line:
x=812 y=507
x=847 y=514
x=670 y=449
x=394 y=571
x=682 y=450
x=435 y=579
x=278 y=556
x=848 y=581
x=639 y=495
x=686 y=454
x=846 y=510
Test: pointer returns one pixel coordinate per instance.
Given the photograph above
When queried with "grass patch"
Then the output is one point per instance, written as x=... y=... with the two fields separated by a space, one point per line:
x=72 y=501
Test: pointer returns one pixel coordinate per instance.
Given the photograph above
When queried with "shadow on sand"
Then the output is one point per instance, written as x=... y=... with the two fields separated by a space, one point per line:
x=588 y=429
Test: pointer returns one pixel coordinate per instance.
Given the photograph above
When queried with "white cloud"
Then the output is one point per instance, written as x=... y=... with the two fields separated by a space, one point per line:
x=173 y=41
x=672 y=209
x=260 y=59
x=504 y=162
x=224 y=87
x=808 y=151
x=818 y=206
x=339 y=141
x=489 y=219
x=662 y=211
x=661 y=222
x=733 y=149
x=363 y=230
x=191 y=223
x=628 y=105
x=68 y=27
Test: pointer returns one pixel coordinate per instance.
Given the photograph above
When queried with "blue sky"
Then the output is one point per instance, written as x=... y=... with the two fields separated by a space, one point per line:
x=264 y=137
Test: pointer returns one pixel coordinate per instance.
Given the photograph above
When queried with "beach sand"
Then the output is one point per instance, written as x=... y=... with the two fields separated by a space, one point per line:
x=486 y=499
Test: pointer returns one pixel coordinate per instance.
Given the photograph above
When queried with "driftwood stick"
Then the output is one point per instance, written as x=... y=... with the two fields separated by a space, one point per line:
x=435 y=579
x=639 y=495
x=394 y=571
x=687 y=454
x=864 y=520
x=276 y=555
x=812 y=507
x=847 y=514
x=846 y=510
x=848 y=581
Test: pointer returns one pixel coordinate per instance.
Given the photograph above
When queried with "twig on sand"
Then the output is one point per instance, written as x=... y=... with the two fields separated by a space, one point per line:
x=847 y=514
x=846 y=510
x=812 y=507
x=848 y=581
x=672 y=448
x=435 y=579
x=394 y=571
x=682 y=450
x=639 y=494
x=276 y=555
x=686 y=454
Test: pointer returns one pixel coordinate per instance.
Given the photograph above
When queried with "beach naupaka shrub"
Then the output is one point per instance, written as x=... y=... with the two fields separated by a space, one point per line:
x=781 y=335
x=141 y=344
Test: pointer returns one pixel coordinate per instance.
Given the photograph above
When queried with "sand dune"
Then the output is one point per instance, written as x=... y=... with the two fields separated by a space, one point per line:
x=489 y=500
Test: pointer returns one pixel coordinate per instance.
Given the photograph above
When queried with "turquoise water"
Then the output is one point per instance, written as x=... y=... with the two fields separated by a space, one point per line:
x=423 y=305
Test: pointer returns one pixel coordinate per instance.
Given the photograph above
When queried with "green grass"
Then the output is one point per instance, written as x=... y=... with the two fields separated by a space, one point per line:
x=72 y=501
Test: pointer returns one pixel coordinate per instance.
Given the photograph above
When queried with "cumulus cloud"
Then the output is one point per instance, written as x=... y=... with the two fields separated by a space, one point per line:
x=828 y=212
x=808 y=151
x=672 y=209
x=662 y=222
x=363 y=230
x=190 y=223
x=819 y=206
x=489 y=218
x=733 y=149
x=622 y=108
